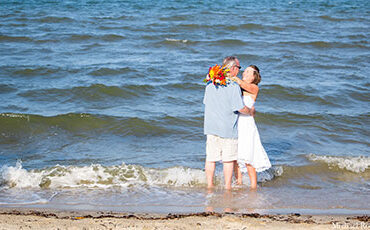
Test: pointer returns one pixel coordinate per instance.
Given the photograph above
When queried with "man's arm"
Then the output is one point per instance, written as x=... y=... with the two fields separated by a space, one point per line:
x=238 y=102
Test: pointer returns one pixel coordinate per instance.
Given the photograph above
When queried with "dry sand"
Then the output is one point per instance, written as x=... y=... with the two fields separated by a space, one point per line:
x=54 y=219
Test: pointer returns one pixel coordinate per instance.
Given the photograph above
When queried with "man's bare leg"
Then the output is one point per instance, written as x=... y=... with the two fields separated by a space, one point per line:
x=228 y=201
x=210 y=173
x=252 y=176
x=228 y=173
x=209 y=208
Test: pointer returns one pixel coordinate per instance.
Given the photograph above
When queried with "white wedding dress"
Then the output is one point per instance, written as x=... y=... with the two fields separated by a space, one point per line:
x=250 y=149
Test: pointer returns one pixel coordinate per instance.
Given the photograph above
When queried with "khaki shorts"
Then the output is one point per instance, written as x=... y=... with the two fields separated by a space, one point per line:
x=218 y=148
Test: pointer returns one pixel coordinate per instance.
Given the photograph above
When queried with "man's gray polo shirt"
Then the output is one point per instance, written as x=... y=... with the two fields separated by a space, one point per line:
x=222 y=104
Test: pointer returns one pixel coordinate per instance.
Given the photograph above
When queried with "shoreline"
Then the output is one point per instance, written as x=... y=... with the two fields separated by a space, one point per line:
x=39 y=218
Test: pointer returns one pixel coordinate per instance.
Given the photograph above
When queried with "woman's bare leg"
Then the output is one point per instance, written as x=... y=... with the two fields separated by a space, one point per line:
x=238 y=174
x=252 y=176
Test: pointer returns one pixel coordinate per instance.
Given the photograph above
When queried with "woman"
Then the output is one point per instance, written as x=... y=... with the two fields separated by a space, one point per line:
x=250 y=150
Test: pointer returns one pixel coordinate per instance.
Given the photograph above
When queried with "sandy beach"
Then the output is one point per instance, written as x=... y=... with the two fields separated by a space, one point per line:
x=54 y=219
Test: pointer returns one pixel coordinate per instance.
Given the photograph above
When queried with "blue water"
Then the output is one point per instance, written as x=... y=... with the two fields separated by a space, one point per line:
x=103 y=97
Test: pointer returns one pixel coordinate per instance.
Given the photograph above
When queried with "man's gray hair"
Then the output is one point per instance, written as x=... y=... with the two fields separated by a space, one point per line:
x=229 y=61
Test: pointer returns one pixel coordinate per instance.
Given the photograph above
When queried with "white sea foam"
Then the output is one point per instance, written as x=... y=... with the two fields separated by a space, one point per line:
x=266 y=175
x=19 y=177
x=176 y=40
x=14 y=115
x=270 y=173
x=24 y=202
x=99 y=176
x=354 y=164
x=176 y=176
x=123 y=175
x=106 y=176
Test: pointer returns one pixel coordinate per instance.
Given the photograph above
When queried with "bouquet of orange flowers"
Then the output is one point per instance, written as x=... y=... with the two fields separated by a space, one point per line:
x=218 y=76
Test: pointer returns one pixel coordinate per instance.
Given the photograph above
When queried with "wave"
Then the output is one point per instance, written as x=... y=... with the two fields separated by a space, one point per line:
x=99 y=176
x=95 y=92
x=353 y=36
x=329 y=121
x=110 y=18
x=324 y=170
x=357 y=164
x=87 y=37
x=14 y=125
x=15 y=25
x=246 y=26
x=313 y=96
x=53 y=19
x=25 y=197
x=229 y=42
x=309 y=95
x=358 y=93
x=73 y=38
x=329 y=18
x=80 y=37
x=176 y=40
x=35 y=71
x=111 y=71
x=183 y=86
x=4 y=88
x=128 y=176
x=111 y=37
x=325 y=44
x=193 y=26
x=253 y=26
x=22 y=125
x=175 y=18
x=6 y=38
x=115 y=27
x=294 y=93
x=45 y=41
x=170 y=42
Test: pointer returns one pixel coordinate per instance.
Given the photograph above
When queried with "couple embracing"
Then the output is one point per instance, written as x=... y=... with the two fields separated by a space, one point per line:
x=232 y=136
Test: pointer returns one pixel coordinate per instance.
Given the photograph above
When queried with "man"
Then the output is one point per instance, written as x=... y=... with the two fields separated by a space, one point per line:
x=222 y=105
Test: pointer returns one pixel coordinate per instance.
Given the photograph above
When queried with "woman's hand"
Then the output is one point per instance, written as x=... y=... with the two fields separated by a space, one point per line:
x=249 y=87
x=236 y=79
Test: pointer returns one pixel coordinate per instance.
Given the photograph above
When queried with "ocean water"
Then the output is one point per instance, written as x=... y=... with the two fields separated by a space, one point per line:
x=101 y=103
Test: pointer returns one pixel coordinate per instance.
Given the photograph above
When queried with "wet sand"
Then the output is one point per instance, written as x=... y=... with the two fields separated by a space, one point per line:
x=18 y=218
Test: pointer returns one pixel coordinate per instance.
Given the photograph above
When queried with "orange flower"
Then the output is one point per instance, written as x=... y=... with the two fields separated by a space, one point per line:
x=217 y=75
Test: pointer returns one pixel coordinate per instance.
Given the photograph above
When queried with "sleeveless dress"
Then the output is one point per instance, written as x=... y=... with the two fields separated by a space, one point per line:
x=250 y=149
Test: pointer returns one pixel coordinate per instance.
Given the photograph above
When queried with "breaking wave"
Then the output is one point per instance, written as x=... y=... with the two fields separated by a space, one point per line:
x=357 y=164
x=99 y=176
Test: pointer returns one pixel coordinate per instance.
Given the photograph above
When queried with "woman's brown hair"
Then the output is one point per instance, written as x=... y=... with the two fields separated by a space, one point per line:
x=256 y=74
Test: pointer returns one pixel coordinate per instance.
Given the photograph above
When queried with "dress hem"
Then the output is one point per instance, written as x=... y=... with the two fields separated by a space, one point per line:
x=258 y=169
